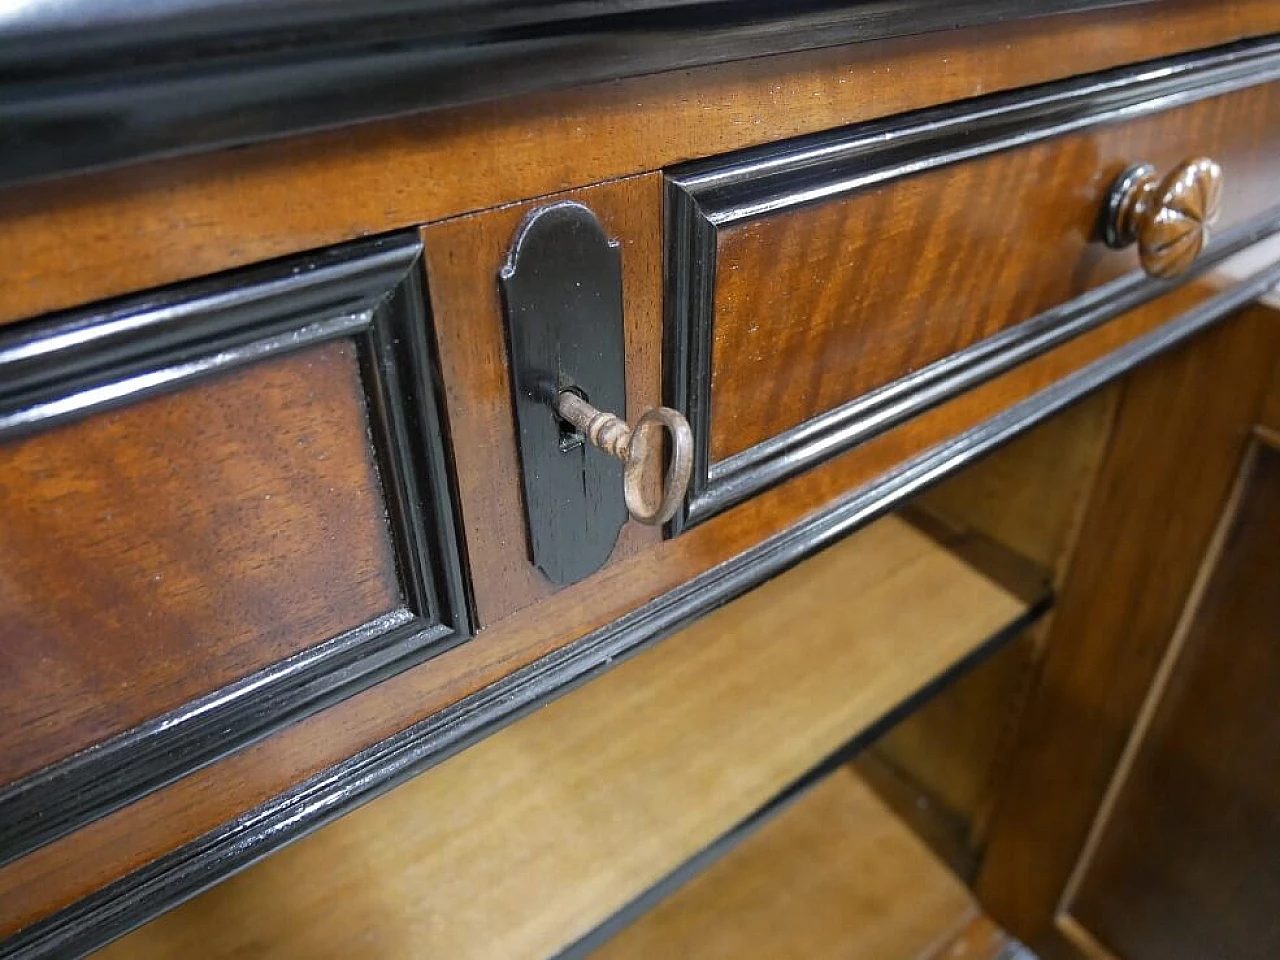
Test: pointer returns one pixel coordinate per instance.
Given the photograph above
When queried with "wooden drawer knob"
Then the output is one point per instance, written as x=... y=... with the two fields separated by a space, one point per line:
x=1169 y=218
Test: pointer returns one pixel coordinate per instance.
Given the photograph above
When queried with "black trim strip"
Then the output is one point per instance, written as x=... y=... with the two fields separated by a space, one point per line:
x=92 y=83
x=767 y=180
x=97 y=359
x=131 y=901
x=707 y=196
x=707 y=857
x=90 y=360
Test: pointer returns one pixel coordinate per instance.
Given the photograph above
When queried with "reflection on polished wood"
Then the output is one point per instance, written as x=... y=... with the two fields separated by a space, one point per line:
x=526 y=841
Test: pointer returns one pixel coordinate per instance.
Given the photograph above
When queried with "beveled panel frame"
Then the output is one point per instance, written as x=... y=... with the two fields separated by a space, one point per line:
x=87 y=361
x=706 y=197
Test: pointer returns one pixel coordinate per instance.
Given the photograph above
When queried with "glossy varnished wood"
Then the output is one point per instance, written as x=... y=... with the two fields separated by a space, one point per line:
x=66 y=244
x=58 y=874
x=836 y=875
x=523 y=843
x=156 y=553
x=62 y=244
x=1185 y=866
x=816 y=306
x=1180 y=434
x=463 y=260
x=1169 y=216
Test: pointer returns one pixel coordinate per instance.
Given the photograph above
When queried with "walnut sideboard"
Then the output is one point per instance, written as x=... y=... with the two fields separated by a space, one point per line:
x=503 y=479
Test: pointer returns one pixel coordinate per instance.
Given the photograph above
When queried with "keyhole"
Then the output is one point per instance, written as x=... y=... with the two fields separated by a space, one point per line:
x=570 y=436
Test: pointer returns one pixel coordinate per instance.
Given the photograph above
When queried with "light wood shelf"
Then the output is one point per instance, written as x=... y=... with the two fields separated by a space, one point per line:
x=836 y=875
x=528 y=840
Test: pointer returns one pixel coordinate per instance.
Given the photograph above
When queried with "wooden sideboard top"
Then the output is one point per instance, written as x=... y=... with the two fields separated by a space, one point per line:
x=63 y=245
x=87 y=84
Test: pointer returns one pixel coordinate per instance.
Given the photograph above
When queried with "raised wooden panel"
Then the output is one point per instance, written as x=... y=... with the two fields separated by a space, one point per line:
x=223 y=506
x=824 y=289
x=65 y=244
x=156 y=553
x=1188 y=861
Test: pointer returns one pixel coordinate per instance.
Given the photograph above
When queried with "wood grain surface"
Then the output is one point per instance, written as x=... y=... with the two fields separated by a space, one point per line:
x=526 y=841
x=67 y=869
x=836 y=876
x=100 y=235
x=982 y=939
x=817 y=306
x=1180 y=433
x=463 y=260
x=1186 y=864
x=1269 y=419
x=157 y=552
x=1030 y=496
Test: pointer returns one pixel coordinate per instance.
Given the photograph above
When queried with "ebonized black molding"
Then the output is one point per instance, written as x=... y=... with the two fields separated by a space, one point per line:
x=705 y=197
x=91 y=83
x=133 y=900
x=99 y=358
x=586 y=945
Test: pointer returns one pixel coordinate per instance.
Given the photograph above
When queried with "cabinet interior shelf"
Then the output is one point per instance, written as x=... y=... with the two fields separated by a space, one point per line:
x=530 y=841
x=835 y=875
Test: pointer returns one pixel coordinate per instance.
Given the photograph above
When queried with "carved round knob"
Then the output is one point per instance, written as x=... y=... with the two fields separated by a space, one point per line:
x=638 y=449
x=1169 y=218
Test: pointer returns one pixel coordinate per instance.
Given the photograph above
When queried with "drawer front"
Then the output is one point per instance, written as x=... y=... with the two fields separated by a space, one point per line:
x=826 y=289
x=220 y=508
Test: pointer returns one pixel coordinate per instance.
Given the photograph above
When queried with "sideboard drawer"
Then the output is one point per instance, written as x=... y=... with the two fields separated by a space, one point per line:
x=825 y=289
x=221 y=507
